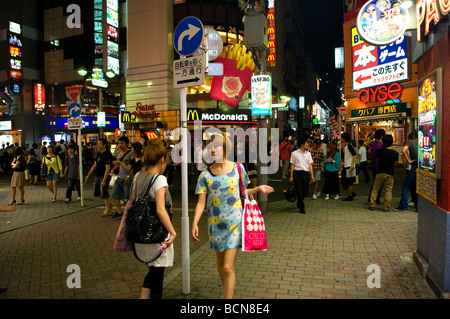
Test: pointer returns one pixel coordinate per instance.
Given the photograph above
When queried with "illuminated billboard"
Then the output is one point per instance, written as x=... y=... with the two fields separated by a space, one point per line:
x=261 y=95
x=381 y=22
x=377 y=65
x=430 y=134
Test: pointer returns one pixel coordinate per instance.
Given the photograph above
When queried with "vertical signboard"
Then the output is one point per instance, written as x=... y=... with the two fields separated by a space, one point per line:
x=429 y=136
x=271 y=44
x=261 y=95
x=111 y=40
x=39 y=97
x=15 y=57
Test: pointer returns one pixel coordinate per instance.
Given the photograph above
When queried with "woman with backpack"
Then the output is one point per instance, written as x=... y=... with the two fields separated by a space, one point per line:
x=154 y=162
x=219 y=191
x=54 y=168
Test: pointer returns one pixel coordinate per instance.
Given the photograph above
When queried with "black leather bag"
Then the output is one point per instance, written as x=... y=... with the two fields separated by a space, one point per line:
x=43 y=170
x=143 y=224
x=290 y=193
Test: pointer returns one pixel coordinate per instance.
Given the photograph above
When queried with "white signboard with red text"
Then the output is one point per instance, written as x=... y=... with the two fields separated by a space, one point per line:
x=378 y=65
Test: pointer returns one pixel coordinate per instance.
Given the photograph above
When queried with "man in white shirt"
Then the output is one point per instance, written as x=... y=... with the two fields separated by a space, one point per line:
x=348 y=166
x=301 y=170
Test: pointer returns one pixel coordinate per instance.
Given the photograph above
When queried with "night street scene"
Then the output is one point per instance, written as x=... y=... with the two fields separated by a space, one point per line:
x=227 y=157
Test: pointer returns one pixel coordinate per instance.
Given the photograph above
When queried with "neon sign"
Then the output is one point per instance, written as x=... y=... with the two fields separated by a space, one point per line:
x=429 y=12
x=39 y=96
x=271 y=44
x=380 y=93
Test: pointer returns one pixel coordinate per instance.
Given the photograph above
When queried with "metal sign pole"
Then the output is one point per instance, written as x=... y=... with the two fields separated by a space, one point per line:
x=184 y=193
x=80 y=157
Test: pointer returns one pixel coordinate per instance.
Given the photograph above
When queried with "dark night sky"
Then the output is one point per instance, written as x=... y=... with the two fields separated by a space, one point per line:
x=323 y=20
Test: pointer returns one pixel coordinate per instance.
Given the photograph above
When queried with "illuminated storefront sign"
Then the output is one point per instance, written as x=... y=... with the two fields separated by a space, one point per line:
x=5 y=125
x=381 y=22
x=39 y=96
x=380 y=93
x=261 y=95
x=101 y=119
x=15 y=27
x=151 y=135
x=143 y=113
x=430 y=134
x=376 y=65
x=217 y=116
x=15 y=52
x=271 y=32
x=401 y=109
x=429 y=13
x=88 y=123
x=429 y=109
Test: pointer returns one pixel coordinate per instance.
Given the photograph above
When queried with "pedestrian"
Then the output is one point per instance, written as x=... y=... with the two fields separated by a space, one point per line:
x=285 y=156
x=18 y=166
x=54 y=168
x=410 y=154
x=387 y=159
x=72 y=171
x=102 y=164
x=33 y=166
x=135 y=162
x=301 y=171
x=348 y=168
x=121 y=190
x=317 y=155
x=362 y=153
x=331 y=165
x=154 y=162
x=375 y=145
x=219 y=191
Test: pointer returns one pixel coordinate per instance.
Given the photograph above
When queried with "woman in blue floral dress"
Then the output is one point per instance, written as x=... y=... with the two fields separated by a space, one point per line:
x=218 y=190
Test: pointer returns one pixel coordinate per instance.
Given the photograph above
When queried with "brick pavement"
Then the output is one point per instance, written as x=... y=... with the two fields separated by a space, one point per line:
x=323 y=254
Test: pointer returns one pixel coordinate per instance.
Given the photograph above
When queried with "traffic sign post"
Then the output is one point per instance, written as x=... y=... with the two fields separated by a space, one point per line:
x=187 y=38
x=75 y=122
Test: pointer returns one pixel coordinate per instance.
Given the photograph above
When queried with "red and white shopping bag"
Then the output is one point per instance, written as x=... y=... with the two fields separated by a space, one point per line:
x=253 y=227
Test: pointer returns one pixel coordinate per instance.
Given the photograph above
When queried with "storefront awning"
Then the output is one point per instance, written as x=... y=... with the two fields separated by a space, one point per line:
x=377 y=118
x=380 y=113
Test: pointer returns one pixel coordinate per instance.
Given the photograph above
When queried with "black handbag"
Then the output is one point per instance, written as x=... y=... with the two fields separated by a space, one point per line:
x=43 y=170
x=290 y=193
x=143 y=224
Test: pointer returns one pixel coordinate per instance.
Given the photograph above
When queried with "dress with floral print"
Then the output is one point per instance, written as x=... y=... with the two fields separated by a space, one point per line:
x=224 y=207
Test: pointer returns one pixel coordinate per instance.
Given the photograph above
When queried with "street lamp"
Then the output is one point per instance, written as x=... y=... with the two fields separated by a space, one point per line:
x=99 y=83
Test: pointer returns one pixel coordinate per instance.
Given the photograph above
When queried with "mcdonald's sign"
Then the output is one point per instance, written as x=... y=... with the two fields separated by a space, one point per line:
x=271 y=58
x=128 y=117
x=151 y=135
x=193 y=116
x=271 y=32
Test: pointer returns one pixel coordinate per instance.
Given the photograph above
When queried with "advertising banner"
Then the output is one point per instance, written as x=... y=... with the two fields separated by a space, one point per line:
x=377 y=65
x=261 y=95
x=429 y=137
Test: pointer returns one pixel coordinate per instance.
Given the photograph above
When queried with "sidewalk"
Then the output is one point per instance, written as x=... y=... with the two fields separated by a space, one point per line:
x=323 y=254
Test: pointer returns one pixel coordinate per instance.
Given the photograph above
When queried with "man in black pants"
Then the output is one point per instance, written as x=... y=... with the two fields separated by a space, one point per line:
x=301 y=170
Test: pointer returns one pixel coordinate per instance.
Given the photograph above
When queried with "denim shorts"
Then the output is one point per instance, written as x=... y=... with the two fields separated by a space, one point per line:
x=121 y=189
x=100 y=191
x=52 y=176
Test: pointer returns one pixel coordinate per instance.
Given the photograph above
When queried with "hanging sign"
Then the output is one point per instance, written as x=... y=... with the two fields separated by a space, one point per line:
x=381 y=22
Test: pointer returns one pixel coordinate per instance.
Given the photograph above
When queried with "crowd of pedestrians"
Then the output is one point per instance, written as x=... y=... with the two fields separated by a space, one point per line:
x=311 y=161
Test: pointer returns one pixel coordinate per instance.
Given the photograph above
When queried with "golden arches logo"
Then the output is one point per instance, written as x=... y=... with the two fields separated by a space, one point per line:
x=128 y=117
x=151 y=135
x=192 y=115
x=271 y=30
x=271 y=17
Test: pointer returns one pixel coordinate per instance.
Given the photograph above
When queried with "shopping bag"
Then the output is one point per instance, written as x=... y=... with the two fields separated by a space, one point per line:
x=253 y=228
x=121 y=243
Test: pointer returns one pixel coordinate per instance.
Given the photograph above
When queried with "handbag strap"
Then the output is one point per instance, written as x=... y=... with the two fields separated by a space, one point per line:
x=241 y=184
x=148 y=187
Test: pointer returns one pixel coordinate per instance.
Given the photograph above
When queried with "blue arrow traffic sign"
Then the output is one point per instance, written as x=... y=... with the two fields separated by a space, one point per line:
x=74 y=110
x=188 y=36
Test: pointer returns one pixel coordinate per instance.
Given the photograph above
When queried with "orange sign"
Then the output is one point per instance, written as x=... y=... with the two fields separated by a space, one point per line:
x=151 y=135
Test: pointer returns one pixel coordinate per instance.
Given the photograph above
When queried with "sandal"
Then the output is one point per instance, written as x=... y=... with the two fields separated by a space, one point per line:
x=10 y=204
x=23 y=202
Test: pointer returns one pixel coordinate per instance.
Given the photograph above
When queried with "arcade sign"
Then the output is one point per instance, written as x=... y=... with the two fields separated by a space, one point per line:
x=381 y=22
x=380 y=93
x=430 y=13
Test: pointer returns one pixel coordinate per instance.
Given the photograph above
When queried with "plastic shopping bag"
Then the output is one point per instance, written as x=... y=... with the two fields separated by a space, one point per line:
x=121 y=243
x=253 y=227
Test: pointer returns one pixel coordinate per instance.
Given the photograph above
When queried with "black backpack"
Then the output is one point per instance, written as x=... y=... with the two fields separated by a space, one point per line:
x=142 y=222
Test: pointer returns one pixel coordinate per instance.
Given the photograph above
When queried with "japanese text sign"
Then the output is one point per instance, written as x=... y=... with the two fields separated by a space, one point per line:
x=377 y=65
